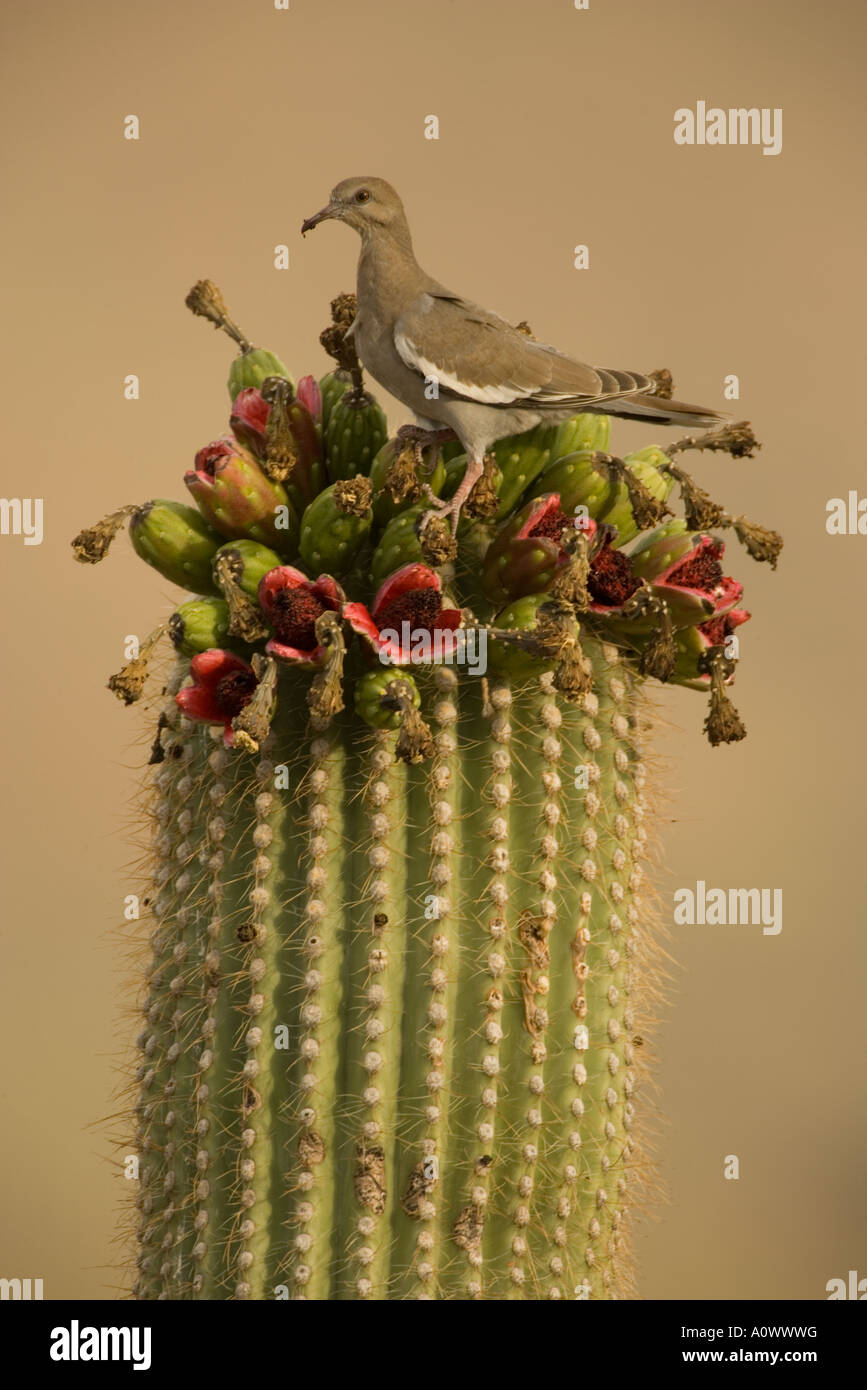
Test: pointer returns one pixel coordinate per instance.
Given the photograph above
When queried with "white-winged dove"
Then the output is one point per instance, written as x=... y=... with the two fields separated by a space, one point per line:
x=492 y=380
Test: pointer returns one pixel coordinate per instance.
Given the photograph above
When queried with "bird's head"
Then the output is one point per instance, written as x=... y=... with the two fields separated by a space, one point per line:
x=365 y=203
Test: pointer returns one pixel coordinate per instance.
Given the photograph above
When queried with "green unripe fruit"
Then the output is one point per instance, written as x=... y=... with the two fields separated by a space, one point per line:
x=369 y=691
x=588 y=431
x=253 y=562
x=455 y=469
x=659 y=548
x=331 y=537
x=451 y=449
x=251 y=368
x=398 y=545
x=355 y=433
x=618 y=511
x=579 y=481
x=384 y=506
x=521 y=459
x=200 y=624
x=522 y=615
x=333 y=386
x=177 y=541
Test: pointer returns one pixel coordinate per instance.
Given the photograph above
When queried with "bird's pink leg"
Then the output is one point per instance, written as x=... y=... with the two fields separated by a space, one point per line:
x=452 y=507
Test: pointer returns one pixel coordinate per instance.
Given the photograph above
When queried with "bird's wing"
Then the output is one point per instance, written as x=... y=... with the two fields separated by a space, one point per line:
x=475 y=355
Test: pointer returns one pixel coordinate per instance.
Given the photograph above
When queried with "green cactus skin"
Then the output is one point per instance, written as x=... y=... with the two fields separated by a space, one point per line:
x=455 y=469
x=643 y=465
x=200 y=624
x=331 y=538
x=578 y=481
x=250 y=368
x=582 y=432
x=398 y=545
x=369 y=690
x=521 y=461
x=176 y=540
x=360 y=968
x=354 y=434
x=521 y=615
x=255 y=562
x=333 y=386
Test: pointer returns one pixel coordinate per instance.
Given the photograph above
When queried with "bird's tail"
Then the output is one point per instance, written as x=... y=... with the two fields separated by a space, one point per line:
x=655 y=410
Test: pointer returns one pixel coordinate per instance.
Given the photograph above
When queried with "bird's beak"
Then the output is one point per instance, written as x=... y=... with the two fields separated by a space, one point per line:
x=321 y=216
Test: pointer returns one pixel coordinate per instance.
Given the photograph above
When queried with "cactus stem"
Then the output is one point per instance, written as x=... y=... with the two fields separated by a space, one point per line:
x=471 y=1227
x=259 y=1085
x=164 y=1013
x=187 y=1022
x=569 y=986
x=603 y=1075
x=427 y=1197
x=536 y=926
x=521 y=959
x=214 y=1062
x=315 y=1211
x=373 y=1033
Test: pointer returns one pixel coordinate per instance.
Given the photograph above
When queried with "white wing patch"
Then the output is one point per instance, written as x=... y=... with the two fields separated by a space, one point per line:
x=485 y=395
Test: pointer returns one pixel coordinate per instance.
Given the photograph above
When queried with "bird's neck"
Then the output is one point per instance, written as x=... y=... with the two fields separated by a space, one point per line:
x=387 y=267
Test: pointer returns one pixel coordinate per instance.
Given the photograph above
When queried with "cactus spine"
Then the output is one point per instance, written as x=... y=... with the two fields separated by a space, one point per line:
x=388 y=1049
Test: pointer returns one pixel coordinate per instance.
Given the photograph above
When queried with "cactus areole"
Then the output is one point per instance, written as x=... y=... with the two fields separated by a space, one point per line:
x=397 y=996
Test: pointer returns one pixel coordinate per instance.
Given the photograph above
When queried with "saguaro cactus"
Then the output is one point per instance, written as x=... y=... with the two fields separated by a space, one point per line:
x=399 y=966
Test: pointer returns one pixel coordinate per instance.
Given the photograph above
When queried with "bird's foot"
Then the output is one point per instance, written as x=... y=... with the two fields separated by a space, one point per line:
x=450 y=508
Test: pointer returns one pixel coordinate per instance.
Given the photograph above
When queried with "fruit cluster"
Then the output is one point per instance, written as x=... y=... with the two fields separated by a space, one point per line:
x=315 y=542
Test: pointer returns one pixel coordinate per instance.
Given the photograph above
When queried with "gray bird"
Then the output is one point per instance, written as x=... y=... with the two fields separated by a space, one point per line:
x=461 y=369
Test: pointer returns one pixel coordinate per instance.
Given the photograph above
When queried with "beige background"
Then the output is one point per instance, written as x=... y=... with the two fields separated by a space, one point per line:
x=555 y=128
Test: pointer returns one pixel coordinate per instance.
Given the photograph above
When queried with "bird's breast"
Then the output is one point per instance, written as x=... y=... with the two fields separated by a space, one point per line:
x=374 y=341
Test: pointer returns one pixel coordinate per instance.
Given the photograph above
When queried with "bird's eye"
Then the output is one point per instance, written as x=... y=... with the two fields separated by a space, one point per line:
x=362 y=196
